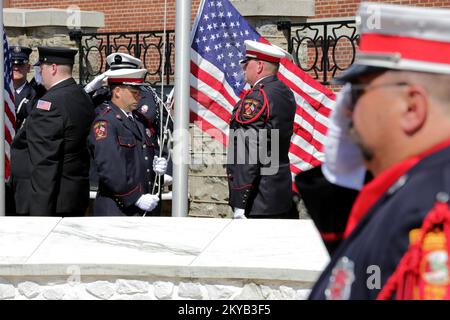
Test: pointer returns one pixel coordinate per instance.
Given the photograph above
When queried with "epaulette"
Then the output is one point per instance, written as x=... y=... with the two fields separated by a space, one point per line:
x=106 y=108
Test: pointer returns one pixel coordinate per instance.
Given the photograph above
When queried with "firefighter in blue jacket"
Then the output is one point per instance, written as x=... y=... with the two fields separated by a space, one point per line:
x=395 y=110
x=124 y=149
x=147 y=104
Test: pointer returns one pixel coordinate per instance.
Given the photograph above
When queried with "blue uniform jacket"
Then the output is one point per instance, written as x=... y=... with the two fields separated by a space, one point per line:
x=123 y=152
x=363 y=263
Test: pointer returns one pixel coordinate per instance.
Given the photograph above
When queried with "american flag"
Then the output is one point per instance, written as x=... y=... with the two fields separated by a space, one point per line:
x=217 y=82
x=8 y=96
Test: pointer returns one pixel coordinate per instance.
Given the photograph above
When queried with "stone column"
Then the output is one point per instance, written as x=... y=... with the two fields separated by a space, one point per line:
x=263 y=15
x=49 y=27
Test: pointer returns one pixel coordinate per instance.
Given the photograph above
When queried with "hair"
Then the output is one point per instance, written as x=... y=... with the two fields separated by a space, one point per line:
x=65 y=68
x=271 y=67
x=113 y=86
x=437 y=85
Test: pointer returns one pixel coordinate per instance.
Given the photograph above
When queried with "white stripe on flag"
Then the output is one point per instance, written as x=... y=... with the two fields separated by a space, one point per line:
x=208 y=116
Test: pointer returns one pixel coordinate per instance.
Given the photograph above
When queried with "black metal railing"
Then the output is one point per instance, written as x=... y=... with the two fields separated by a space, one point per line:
x=327 y=47
x=146 y=45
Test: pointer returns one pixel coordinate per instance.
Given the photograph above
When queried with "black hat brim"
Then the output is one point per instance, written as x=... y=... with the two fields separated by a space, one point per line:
x=244 y=60
x=134 y=84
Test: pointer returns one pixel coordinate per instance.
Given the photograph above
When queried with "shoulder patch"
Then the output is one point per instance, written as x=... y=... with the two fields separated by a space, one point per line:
x=250 y=108
x=100 y=129
x=43 y=105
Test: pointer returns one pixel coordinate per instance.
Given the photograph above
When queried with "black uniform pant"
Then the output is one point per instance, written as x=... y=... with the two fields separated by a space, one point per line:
x=284 y=215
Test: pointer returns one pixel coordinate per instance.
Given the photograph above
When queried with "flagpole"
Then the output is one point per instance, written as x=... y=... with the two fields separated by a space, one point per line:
x=2 y=118
x=181 y=114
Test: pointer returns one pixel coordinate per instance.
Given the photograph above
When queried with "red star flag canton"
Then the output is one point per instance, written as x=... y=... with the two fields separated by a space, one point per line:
x=217 y=82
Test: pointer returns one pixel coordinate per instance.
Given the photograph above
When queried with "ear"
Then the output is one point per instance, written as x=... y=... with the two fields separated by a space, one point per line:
x=115 y=92
x=416 y=110
x=54 y=69
x=260 y=67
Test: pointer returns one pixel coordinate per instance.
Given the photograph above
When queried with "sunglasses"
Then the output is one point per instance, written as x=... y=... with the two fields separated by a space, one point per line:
x=358 y=90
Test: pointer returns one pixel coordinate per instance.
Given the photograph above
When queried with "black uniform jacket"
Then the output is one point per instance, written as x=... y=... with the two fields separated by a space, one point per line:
x=262 y=187
x=329 y=205
x=50 y=166
x=24 y=102
x=123 y=152
x=381 y=238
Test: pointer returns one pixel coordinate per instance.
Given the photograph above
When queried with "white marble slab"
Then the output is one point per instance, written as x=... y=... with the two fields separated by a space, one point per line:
x=121 y=241
x=162 y=247
x=279 y=248
x=21 y=236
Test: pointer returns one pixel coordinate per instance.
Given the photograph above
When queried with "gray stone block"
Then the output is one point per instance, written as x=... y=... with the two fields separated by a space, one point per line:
x=219 y=292
x=163 y=289
x=287 y=8
x=54 y=294
x=7 y=290
x=100 y=289
x=302 y=294
x=287 y=293
x=250 y=292
x=190 y=290
x=131 y=286
x=26 y=18
x=29 y=289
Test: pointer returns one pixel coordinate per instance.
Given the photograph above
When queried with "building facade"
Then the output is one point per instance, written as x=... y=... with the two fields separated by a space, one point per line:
x=49 y=22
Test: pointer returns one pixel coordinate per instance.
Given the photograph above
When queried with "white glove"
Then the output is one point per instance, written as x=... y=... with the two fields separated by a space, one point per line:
x=239 y=213
x=343 y=163
x=37 y=75
x=147 y=202
x=96 y=83
x=159 y=165
x=167 y=180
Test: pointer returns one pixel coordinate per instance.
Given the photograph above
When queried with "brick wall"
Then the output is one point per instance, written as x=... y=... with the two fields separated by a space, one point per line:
x=347 y=8
x=126 y=15
x=144 y=15
x=133 y=15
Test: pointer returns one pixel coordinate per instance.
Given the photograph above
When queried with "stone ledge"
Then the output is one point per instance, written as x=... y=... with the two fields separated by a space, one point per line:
x=158 y=271
x=288 y=252
x=27 y=18
x=286 y=8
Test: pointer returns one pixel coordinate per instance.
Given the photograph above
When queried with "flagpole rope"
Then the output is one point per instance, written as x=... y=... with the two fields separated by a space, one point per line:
x=160 y=103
